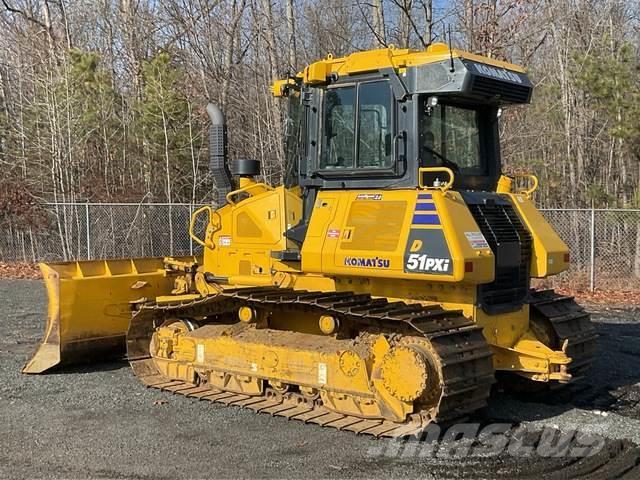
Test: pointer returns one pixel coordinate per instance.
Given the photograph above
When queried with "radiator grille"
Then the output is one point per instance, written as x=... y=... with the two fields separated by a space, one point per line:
x=511 y=244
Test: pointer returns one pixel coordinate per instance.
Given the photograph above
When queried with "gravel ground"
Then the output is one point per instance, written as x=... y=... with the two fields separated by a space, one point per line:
x=99 y=422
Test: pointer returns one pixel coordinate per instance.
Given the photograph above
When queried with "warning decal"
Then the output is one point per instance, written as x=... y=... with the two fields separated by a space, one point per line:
x=476 y=240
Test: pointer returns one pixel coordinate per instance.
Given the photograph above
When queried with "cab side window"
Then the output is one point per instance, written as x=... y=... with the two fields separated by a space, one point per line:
x=362 y=141
x=339 y=128
x=374 y=132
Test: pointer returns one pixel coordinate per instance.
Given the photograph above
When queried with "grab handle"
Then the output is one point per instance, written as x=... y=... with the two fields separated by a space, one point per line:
x=533 y=186
x=192 y=225
x=505 y=184
x=444 y=186
x=248 y=189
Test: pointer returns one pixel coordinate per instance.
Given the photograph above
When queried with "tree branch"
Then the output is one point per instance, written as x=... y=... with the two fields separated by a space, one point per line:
x=22 y=13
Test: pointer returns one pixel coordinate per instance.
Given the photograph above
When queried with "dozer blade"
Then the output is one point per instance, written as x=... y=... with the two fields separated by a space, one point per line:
x=90 y=307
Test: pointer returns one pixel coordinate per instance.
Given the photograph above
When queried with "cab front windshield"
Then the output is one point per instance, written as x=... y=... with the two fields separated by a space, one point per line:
x=449 y=136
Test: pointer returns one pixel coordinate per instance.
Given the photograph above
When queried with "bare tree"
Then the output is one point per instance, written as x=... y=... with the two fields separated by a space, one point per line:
x=291 y=34
x=379 y=30
x=73 y=97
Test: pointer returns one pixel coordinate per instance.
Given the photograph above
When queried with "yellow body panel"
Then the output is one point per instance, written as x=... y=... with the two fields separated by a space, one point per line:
x=365 y=233
x=242 y=237
x=494 y=325
x=549 y=254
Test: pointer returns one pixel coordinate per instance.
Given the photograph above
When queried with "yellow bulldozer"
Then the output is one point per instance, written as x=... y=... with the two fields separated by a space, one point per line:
x=386 y=284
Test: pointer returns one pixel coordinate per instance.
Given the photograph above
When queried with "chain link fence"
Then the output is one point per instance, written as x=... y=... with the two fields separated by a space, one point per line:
x=604 y=244
x=99 y=230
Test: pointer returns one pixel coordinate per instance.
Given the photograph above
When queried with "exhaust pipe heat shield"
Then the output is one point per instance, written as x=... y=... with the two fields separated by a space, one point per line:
x=90 y=308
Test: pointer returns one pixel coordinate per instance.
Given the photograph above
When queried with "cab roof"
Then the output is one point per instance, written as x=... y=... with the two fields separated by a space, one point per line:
x=373 y=60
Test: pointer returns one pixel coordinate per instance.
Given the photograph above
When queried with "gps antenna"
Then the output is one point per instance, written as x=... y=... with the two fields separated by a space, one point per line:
x=453 y=68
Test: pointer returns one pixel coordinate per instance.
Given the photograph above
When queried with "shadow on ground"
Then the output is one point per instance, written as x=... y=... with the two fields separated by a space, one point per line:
x=612 y=384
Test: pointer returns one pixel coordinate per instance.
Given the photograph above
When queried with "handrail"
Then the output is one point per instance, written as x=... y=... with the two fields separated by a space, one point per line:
x=247 y=189
x=192 y=225
x=505 y=184
x=445 y=186
x=534 y=182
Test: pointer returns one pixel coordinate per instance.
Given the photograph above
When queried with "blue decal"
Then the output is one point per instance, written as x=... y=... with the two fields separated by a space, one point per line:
x=424 y=196
x=430 y=207
x=426 y=219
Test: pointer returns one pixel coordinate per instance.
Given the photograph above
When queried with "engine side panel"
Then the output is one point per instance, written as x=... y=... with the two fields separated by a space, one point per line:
x=408 y=234
x=241 y=237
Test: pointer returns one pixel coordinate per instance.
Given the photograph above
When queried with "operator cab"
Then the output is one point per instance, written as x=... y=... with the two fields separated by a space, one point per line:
x=372 y=120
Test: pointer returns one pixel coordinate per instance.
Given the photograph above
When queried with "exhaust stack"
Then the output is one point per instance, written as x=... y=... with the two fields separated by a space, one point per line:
x=218 y=154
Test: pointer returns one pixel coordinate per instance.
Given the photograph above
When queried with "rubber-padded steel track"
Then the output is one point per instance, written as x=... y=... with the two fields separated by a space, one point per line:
x=466 y=366
x=570 y=323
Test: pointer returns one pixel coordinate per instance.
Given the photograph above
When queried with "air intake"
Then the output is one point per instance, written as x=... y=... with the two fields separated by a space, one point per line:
x=218 y=154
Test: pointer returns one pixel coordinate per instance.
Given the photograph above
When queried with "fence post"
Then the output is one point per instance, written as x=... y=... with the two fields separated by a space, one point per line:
x=86 y=219
x=190 y=239
x=171 y=239
x=592 y=259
